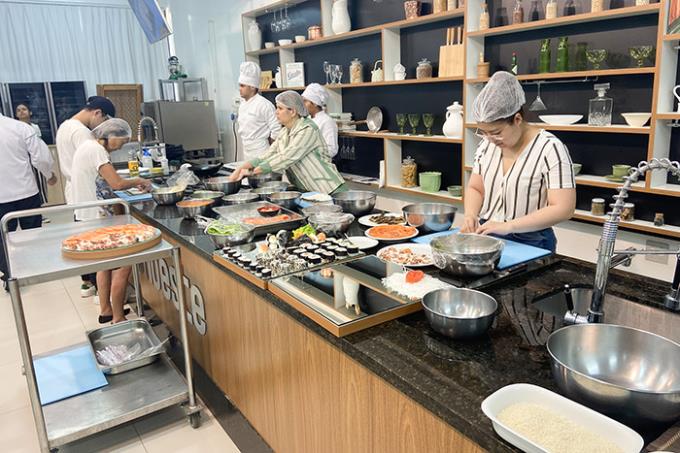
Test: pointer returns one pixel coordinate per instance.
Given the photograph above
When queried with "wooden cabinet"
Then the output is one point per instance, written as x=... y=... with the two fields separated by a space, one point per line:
x=128 y=101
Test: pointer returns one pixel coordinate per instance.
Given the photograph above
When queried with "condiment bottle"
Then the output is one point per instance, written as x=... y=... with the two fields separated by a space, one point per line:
x=518 y=13
x=569 y=8
x=551 y=9
x=133 y=163
x=424 y=69
x=356 y=71
x=534 y=14
x=544 y=56
x=451 y=5
x=513 y=66
x=597 y=206
x=409 y=172
x=484 y=18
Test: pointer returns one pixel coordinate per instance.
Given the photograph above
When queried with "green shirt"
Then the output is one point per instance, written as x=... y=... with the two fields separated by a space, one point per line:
x=301 y=152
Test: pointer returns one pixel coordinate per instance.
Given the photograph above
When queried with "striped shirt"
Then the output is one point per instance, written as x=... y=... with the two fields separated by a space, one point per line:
x=302 y=153
x=544 y=164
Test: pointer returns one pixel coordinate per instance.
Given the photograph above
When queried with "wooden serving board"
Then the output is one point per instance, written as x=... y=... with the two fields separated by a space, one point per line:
x=111 y=253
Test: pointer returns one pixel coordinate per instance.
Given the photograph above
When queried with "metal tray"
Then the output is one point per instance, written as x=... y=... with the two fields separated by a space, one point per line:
x=125 y=333
x=241 y=211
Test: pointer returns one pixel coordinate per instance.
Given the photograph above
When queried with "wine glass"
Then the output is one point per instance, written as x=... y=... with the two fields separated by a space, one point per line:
x=401 y=122
x=428 y=121
x=286 y=21
x=339 y=69
x=640 y=54
x=327 y=70
x=414 y=121
x=596 y=57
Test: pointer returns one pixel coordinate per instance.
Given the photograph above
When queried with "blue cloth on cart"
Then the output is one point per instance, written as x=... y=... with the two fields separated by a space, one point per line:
x=66 y=374
x=131 y=197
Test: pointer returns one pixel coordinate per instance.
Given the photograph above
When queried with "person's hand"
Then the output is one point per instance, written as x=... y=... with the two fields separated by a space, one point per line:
x=470 y=224
x=498 y=228
x=53 y=180
x=235 y=176
x=144 y=185
x=257 y=171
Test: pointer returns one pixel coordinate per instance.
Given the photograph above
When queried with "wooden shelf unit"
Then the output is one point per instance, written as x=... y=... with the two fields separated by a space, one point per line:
x=613 y=129
x=395 y=82
x=636 y=225
x=386 y=135
x=601 y=181
x=442 y=195
x=576 y=74
x=668 y=116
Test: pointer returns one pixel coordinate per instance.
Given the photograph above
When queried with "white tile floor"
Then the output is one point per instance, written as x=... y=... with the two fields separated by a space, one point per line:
x=57 y=316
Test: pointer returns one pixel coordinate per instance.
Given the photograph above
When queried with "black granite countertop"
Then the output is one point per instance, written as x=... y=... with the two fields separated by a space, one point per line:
x=451 y=378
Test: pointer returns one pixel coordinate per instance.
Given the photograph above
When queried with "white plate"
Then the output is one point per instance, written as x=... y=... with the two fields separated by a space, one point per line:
x=415 y=233
x=611 y=430
x=362 y=242
x=366 y=220
x=560 y=120
x=422 y=249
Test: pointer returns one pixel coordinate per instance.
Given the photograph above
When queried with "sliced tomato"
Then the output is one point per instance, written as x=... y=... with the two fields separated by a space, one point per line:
x=414 y=276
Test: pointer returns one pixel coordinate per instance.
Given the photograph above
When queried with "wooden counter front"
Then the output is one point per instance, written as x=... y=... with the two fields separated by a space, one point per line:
x=299 y=392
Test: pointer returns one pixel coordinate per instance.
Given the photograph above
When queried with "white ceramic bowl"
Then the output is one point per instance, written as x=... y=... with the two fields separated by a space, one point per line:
x=285 y=42
x=300 y=38
x=269 y=45
x=636 y=119
x=560 y=120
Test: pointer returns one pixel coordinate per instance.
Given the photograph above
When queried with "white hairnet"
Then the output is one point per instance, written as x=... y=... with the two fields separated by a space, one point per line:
x=502 y=97
x=293 y=101
x=316 y=94
x=114 y=127
x=249 y=74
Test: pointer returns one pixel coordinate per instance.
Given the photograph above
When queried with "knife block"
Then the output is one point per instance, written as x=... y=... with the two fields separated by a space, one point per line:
x=451 y=60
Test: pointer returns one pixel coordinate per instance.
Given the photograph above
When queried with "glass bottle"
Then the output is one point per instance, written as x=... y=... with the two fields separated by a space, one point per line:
x=569 y=8
x=581 y=58
x=484 y=18
x=562 y=64
x=596 y=6
x=534 y=14
x=501 y=17
x=133 y=163
x=551 y=9
x=356 y=71
x=513 y=65
x=518 y=13
x=544 y=56
x=600 y=108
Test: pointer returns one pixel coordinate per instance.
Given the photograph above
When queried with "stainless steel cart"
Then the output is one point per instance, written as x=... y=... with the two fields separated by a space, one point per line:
x=34 y=256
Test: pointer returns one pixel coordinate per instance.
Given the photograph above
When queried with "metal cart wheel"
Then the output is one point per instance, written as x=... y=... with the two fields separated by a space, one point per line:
x=195 y=420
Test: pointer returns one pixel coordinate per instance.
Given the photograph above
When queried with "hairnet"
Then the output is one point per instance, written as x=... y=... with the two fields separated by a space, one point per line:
x=502 y=97
x=293 y=101
x=316 y=94
x=114 y=127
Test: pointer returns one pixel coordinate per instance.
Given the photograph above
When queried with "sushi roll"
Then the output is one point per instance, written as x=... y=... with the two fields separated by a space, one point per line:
x=266 y=272
x=328 y=256
x=314 y=259
x=341 y=252
x=352 y=249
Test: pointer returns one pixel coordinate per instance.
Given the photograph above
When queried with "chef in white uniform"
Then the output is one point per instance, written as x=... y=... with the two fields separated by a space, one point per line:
x=315 y=97
x=257 y=123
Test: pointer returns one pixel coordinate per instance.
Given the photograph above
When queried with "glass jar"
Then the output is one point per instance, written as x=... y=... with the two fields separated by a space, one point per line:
x=597 y=206
x=451 y=5
x=356 y=71
x=438 y=6
x=484 y=18
x=628 y=212
x=659 y=219
x=596 y=6
x=409 y=172
x=551 y=10
x=518 y=13
x=424 y=69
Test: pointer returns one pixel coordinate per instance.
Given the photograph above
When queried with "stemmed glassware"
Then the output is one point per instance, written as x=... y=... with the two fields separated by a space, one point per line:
x=286 y=21
x=640 y=54
x=327 y=70
x=414 y=121
x=275 y=27
x=428 y=121
x=596 y=57
x=401 y=122
x=336 y=74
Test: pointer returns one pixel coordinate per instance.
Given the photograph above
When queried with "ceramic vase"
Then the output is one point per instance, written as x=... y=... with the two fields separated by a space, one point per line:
x=254 y=36
x=340 y=21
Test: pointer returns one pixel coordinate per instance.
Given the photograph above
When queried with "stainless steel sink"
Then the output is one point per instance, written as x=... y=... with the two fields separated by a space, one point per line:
x=620 y=311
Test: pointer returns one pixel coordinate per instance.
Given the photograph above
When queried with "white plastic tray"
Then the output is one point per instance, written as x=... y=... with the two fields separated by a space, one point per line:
x=627 y=439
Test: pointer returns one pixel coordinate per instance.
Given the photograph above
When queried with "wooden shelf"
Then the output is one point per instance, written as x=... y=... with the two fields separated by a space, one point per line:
x=395 y=136
x=441 y=195
x=577 y=74
x=376 y=29
x=601 y=181
x=673 y=37
x=637 y=225
x=395 y=82
x=613 y=129
x=568 y=20
x=278 y=90
x=668 y=116
x=671 y=190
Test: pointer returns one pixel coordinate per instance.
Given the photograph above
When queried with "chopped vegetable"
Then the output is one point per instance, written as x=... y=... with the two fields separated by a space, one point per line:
x=220 y=228
x=414 y=276
x=306 y=230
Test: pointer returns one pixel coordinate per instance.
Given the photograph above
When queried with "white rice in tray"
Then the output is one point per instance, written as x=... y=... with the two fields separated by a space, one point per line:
x=553 y=432
x=413 y=291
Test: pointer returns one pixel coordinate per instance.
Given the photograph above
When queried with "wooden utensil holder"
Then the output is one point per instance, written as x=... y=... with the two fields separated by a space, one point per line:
x=452 y=56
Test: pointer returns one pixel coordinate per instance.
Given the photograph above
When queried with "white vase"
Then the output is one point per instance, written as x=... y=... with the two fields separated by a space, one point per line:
x=254 y=36
x=453 y=126
x=340 y=17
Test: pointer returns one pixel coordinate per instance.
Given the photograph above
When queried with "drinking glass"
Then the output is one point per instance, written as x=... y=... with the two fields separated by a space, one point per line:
x=596 y=57
x=339 y=72
x=327 y=71
x=640 y=54
x=428 y=121
x=401 y=122
x=414 y=121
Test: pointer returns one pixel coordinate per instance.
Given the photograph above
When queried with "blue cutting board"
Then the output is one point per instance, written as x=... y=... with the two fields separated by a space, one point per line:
x=514 y=253
x=66 y=374
x=130 y=198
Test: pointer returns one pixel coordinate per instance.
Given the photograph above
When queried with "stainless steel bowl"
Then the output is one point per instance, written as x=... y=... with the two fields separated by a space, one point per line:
x=255 y=181
x=208 y=195
x=459 y=312
x=331 y=223
x=264 y=192
x=285 y=199
x=230 y=240
x=319 y=208
x=240 y=198
x=222 y=184
x=430 y=217
x=357 y=202
x=189 y=212
x=466 y=254
x=167 y=195
x=629 y=374
x=280 y=186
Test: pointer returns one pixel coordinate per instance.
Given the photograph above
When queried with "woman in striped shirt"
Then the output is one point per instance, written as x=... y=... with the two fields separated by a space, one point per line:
x=522 y=181
x=299 y=149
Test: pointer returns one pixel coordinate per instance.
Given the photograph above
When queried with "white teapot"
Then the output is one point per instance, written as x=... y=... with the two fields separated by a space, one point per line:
x=377 y=73
x=453 y=126
x=399 y=72
x=277 y=78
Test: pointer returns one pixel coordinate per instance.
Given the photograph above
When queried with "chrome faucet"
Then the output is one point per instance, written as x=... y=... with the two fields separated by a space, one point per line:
x=147 y=119
x=607 y=257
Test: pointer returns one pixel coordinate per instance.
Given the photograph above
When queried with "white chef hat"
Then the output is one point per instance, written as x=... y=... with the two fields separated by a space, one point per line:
x=316 y=94
x=502 y=97
x=249 y=74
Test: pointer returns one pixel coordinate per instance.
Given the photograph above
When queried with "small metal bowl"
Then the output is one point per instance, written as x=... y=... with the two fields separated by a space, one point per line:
x=240 y=198
x=255 y=181
x=331 y=223
x=319 y=208
x=286 y=200
x=208 y=195
x=222 y=184
x=264 y=192
x=167 y=195
x=430 y=217
x=189 y=212
x=356 y=202
x=459 y=312
x=280 y=186
x=466 y=254
x=230 y=240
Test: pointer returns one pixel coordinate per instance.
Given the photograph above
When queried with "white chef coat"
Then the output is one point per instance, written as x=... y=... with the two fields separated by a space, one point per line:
x=70 y=135
x=329 y=131
x=89 y=157
x=21 y=150
x=256 y=124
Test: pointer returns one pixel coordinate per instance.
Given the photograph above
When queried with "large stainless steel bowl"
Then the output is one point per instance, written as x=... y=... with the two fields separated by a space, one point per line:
x=319 y=208
x=430 y=217
x=280 y=186
x=628 y=374
x=459 y=312
x=331 y=223
x=255 y=181
x=240 y=198
x=285 y=199
x=208 y=195
x=466 y=254
x=167 y=195
x=356 y=202
x=189 y=212
x=265 y=192
x=229 y=240
x=222 y=184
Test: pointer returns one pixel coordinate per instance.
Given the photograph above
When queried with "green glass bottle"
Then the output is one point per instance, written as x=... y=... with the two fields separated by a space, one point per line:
x=562 y=55
x=581 y=60
x=544 y=56
x=513 y=65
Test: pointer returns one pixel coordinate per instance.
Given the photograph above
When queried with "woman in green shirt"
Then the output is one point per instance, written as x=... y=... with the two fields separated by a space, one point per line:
x=299 y=150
